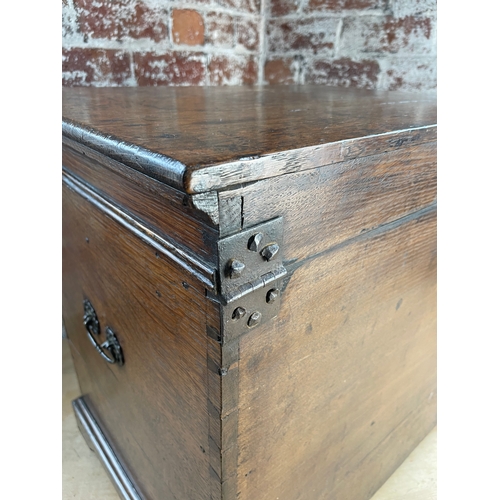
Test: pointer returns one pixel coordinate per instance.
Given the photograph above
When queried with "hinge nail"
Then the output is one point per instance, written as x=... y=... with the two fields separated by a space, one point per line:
x=238 y=313
x=254 y=319
x=255 y=241
x=270 y=251
x=235 y=268
x=272 y=295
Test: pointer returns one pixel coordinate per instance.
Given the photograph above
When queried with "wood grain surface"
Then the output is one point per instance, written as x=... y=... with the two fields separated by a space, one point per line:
x=177 y=134
x=337 y=391
x=153 y=409
x=84 y=478
x=158 y=206
x=327 y=205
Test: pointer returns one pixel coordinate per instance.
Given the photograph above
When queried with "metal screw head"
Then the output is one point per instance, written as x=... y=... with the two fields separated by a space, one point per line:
x=235 y=268
x=238 y=313
x=272 y=295
x=270 y=251
x=255 y=241
x=254 y=319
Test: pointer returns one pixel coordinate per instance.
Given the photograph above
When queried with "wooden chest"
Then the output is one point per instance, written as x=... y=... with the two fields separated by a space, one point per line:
x=249 y=279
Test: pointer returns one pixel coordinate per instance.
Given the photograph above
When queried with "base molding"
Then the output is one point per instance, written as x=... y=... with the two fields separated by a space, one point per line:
x=98 y=443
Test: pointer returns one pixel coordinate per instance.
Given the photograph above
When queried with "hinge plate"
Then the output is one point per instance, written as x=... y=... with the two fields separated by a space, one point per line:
x=251 y=273
x=237 y=249
x=249 y=311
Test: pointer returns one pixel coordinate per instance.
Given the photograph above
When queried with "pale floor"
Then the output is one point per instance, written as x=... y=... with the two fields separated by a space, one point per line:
x=85 y=479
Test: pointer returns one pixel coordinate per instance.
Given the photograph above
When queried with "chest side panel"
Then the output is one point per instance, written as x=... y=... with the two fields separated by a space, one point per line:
x=153 y=409
x=334 y=392
x=341 y=386
x=325 y=206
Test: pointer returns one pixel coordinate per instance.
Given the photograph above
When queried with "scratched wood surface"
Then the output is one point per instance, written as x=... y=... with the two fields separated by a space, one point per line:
x=177 y=134
x=153 y=409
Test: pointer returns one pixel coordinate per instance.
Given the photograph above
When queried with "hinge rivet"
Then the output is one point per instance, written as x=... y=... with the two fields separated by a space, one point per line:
x=255 y=241
x=254 y=319
x=235 y=268
x=270 y=251
x=238 y=313
x=272 y=295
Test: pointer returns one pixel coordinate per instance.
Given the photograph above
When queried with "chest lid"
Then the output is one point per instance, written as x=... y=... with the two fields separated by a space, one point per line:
x=200 y=139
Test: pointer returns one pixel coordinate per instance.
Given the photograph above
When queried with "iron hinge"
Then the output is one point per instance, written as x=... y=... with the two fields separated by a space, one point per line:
x=251 y=274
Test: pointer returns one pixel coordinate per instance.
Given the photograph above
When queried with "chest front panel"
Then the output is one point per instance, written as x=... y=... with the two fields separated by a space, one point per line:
x=153 y=408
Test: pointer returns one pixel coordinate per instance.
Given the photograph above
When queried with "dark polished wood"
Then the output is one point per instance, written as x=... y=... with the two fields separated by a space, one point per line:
x=325 y=206
x=176 y=133
x=159 y=206
x=153 y=409
x=328 y=397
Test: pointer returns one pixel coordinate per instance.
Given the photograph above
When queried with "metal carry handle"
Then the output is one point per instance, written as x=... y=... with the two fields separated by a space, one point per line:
x=111 y=343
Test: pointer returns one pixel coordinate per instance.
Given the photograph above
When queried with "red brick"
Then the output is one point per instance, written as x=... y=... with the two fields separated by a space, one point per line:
x=338 y=5
x=219 y=30
x=175 y=68
x=118 y=19
x=407 y=35
x=232 y=70
x=84 y=67
x=279 y=71
x=411 y=74
x=284 y=7
x=344 y=73
x=314 y=34
x=247 y=33
x=187 y=27
x=252 y=6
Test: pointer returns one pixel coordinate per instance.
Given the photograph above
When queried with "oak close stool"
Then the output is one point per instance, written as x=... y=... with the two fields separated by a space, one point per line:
x=249 y=280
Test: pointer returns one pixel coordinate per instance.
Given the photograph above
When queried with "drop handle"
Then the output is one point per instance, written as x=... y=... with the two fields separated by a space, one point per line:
x=111 y=344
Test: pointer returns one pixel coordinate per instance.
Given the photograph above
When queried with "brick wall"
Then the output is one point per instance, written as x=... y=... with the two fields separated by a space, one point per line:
x=385 y=44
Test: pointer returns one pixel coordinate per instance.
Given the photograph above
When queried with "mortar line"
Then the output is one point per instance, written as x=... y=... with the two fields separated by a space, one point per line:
x=262 y=41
